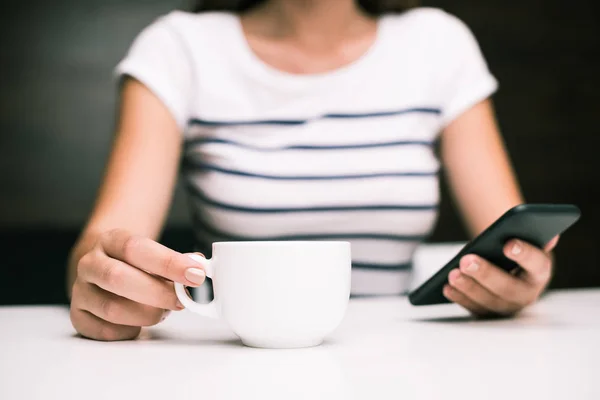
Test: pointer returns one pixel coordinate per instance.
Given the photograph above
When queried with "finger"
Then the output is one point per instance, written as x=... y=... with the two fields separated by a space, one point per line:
x=92 y=327
x=497 y=281
x=126 y=281
x=480 y=295
x=115 y=309
x=551 y=244
x=457 y=297
x=153 y=257
x=536 y=264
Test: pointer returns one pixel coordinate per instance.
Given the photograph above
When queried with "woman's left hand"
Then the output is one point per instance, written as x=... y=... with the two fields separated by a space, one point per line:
x=485 y=289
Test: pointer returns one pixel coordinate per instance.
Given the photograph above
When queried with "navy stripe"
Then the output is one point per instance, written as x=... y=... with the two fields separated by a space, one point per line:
x=383 y=267
x=197 y=193
x=189 y=163
x=206 y=122
x=414 y=110
x=422 y=110
x=205 y=140
x=203 y=226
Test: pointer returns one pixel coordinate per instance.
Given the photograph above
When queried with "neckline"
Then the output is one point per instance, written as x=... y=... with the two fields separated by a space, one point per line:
x=261 y=67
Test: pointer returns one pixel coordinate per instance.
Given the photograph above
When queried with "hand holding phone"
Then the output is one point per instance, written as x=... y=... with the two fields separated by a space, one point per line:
x=533 y=224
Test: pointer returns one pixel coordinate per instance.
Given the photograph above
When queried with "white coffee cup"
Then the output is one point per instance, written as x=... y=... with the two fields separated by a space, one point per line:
x=286 y=294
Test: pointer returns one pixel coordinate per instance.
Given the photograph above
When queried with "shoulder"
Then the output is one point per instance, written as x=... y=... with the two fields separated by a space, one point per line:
x=182 y=34
x=431 y=24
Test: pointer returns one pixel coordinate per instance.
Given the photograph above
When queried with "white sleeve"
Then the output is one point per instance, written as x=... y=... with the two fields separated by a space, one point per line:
x=466 y=78
x=159 y=59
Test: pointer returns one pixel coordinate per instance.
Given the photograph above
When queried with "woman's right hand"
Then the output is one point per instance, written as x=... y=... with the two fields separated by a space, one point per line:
x=125 y=282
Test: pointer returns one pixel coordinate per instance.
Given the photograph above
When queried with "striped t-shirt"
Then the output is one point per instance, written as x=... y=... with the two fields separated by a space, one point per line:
x=344 y=155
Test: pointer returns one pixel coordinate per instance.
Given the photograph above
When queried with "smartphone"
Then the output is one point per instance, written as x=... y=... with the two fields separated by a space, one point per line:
x=536 y=224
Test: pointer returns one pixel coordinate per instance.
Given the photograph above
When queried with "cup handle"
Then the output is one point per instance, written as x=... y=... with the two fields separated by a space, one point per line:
x=206 y=310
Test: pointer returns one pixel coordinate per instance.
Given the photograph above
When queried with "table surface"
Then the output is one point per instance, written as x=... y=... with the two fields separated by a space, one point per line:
x=383 y=349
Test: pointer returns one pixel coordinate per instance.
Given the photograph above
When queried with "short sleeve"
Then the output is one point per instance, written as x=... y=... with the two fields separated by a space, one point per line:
x=158 y=58
x=466 y=79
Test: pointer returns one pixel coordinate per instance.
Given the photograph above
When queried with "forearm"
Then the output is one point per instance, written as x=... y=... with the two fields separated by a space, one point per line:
x=478 y=167
x=140 y=176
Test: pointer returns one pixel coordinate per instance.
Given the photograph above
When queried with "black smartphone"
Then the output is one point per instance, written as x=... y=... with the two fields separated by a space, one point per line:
x=533 y=223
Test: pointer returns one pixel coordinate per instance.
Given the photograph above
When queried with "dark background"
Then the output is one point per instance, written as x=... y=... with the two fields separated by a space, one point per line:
x=57 y=110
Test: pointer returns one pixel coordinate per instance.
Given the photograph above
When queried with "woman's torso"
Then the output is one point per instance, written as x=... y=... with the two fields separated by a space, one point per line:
x=345 y=155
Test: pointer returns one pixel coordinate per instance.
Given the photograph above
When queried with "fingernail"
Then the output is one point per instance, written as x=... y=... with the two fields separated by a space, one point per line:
x=516 y=249
x=472 y=267
x=195 y=275
x=453 y=275
x=179 y=305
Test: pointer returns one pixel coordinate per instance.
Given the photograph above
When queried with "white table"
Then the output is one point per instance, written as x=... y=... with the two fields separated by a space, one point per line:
x=384 y=349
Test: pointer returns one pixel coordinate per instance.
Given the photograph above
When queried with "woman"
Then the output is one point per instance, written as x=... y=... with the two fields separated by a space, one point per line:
x=298 y=119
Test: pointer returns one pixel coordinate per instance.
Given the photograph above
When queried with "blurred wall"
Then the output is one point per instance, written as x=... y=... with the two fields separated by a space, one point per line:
x=546 y=55
x=57 y=103
x=58 y=96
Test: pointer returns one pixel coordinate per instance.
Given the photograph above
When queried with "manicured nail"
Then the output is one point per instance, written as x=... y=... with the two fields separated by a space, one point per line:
x=472 y=267
x=516 y=249
x=195 y=275
x=453 y=275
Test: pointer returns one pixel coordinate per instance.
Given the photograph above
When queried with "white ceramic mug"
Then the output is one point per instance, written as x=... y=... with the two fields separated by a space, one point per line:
x=284 y=294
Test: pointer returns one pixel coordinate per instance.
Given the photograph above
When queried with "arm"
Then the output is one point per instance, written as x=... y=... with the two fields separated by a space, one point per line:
x=120 y=278
x=484 y=185
x=481 y=178
x=140 y=175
